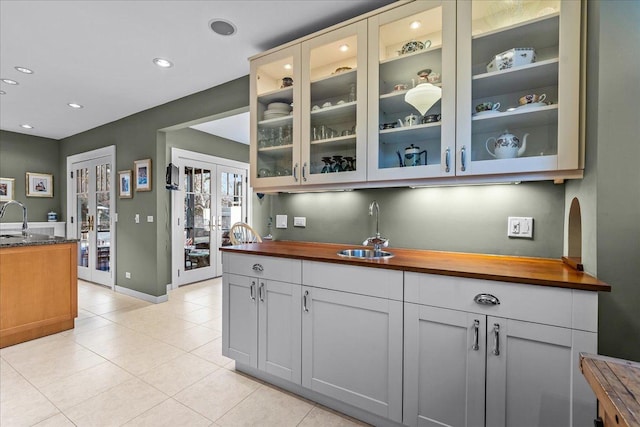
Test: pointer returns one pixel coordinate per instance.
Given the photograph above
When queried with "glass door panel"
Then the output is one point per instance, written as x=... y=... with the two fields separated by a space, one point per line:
x=82 y=215
x=415 y=57
x=197 y=218
x=514 y=53
x=334 y=106
x=103 y=217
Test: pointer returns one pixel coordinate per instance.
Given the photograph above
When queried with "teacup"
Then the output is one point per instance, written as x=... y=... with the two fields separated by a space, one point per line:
x=532 y=98
x=387 y=125
x=400 y=87
x=286 y=82
x=433 y=78
x=487 y=106
x=326 y=104
x=431 y=118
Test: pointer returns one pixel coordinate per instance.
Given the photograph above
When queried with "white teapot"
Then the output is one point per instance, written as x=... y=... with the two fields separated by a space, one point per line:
x=507 y=146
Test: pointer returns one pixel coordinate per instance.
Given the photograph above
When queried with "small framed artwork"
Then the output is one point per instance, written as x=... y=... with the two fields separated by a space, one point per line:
x=143 y=175
x=39 y=185
x=7 y=189
x=124 y=184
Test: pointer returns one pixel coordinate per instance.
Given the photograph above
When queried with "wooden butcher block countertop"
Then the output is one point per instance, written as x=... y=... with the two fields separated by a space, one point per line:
x=616 y=383
x=535 y=271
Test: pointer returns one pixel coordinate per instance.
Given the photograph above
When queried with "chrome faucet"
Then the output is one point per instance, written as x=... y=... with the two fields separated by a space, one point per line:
x=377 y=241
x=25 y=227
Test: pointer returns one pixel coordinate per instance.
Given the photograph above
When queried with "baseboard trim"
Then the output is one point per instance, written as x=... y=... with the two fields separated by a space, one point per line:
x=142 y=295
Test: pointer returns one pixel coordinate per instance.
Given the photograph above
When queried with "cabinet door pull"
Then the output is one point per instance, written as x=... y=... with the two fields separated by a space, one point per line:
x=258 y=267
x=261 y=292
x=447 y=160
x=463 y=158
x=476 y=329
x=496 y=339
x=304 y=301
x=304 y=175
x=295 y=173
x=252 y=291
x=486 y=299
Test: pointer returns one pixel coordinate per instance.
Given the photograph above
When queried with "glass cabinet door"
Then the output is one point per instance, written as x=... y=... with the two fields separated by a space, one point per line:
x=275 y=129
x=334 y=106
x=518 y=98
x=412 y=58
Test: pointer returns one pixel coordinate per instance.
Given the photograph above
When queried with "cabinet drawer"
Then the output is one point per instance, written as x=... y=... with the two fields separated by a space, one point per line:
x=280 y=269
x=540 y=304
x=376 y=282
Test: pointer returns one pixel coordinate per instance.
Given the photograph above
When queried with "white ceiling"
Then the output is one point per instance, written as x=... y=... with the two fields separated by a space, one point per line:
x=98 y=53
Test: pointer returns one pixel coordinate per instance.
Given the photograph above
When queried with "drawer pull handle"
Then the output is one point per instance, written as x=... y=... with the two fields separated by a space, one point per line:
x=496 y=339
x=304 y=301
x=486 y=299
x=258 y=267
x=476 y=328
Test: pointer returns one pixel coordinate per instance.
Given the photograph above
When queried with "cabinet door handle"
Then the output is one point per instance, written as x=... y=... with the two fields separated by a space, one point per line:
x=304 y=301
x=304 y=175
x=486 y=299
x=295 y=173
x=463 y=158
x=447 y=159
x=261 y=291
x=496 y=339
x=258 y=267
x=252 y=291
x=476 y=330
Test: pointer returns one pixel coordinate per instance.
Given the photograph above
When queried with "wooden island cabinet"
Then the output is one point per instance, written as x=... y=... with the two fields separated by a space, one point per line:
x=38 y=289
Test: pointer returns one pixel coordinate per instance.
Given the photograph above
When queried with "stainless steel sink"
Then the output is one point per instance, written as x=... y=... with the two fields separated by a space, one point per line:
x=364 y=254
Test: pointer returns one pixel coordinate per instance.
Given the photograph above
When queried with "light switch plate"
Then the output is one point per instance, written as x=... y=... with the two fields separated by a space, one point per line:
x=137 y=218
x=518 y=226
x=299 y=221
x=149 y=218
x=281 y=221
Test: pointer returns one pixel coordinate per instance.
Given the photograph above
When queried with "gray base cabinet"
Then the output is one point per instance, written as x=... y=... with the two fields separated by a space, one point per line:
x=469 y=364
x=261 y=317
x=352 y=349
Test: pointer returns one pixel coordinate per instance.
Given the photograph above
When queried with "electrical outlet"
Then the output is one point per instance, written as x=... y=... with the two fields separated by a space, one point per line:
x=281 y=221
x=137 y=218
x=299 y=221
x=149 y=218
x=521 y=227
x=127 y=275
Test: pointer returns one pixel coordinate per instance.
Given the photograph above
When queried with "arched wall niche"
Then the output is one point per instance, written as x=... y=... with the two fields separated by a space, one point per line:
x=574 y=254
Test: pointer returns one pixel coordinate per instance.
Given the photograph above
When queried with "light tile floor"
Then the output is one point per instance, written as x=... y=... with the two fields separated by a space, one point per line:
x=132 y=363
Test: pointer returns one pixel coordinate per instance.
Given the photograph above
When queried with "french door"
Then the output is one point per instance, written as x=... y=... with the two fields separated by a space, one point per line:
x=90 y=204
x=211 y=197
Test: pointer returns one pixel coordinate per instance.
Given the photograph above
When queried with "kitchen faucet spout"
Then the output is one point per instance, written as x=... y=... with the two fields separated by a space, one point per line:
x=377 y=241
x=25 y=226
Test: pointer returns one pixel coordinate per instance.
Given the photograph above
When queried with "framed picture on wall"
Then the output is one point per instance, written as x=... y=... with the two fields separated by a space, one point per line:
x=7 y=189
x=39 y=185
x=143 y=175
x=124 y=184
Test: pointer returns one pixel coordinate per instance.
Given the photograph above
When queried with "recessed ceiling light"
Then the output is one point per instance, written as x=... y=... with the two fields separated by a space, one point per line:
x=344 y=48
x=222 y=27
x=10 y=82
x=26 y=126
x=2 y=92
x=24 y=70
x=74 y=105
x=415 y=25
x=162 y=63
x=288 y=66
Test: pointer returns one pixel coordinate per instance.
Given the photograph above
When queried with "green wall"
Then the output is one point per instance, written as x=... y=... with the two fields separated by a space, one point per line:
x=462 y=219
x=142 y=248
x=20 y=153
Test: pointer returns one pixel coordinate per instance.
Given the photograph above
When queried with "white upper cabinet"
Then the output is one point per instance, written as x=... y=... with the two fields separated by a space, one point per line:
x=351 y=124
x=518 y=105
x=418 y=38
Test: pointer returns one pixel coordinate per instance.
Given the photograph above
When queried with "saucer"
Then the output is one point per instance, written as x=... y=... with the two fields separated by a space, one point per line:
x=532 y=105
x=487 y=113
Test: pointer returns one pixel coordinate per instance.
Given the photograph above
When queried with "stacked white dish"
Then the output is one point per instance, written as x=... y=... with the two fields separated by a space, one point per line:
x=277 y=109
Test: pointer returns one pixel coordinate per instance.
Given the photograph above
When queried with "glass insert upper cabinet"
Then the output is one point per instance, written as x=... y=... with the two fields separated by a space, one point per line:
x=518 y=87
x=275 y=121
x=334 y=106
x=412 y=70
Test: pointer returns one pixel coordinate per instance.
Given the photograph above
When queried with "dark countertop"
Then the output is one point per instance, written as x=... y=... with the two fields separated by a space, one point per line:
x=529 y=270
x=17 y=240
